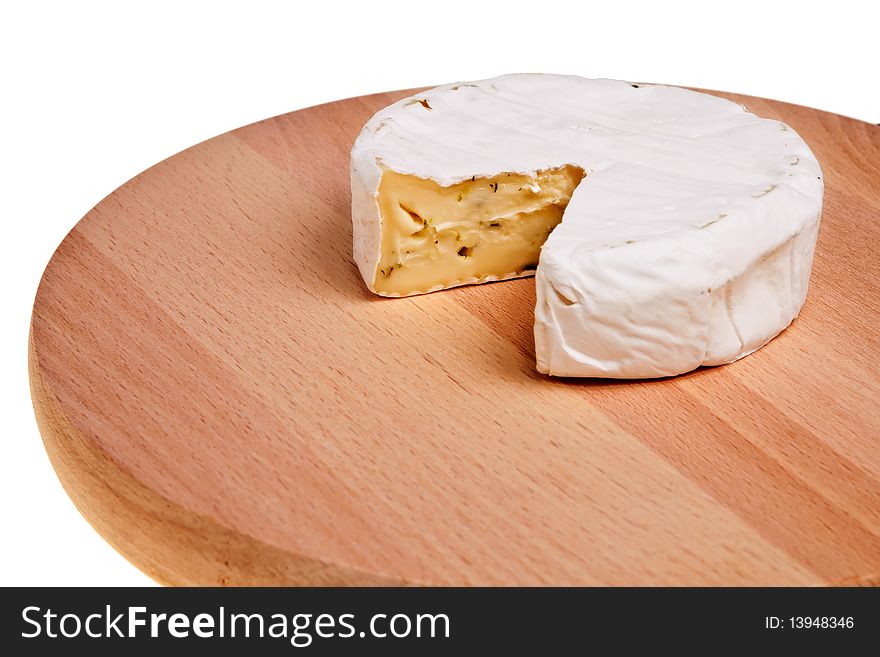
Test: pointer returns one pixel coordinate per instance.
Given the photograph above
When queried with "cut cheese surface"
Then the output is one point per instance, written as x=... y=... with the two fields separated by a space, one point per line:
x=667 y=229
x=481 y=228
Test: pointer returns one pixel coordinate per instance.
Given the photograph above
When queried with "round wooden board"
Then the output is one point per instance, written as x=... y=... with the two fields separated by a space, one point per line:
x=227 y=404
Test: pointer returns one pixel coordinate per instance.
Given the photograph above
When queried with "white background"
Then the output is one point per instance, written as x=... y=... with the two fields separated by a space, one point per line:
x=93 y=93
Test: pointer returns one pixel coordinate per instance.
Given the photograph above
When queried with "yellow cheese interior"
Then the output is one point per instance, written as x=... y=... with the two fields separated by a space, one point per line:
x=483 y=227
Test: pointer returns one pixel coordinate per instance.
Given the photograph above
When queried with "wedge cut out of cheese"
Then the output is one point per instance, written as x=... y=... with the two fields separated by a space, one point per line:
x=667 y=229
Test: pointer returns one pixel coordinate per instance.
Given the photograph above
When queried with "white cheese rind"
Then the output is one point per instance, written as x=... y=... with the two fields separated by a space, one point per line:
x=689 y=242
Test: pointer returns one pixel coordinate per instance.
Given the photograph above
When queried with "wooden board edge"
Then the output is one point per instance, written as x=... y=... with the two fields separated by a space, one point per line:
x=170 y=544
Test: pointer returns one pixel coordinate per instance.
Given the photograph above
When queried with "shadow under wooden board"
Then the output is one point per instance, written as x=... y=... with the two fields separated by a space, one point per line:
x=227 y=404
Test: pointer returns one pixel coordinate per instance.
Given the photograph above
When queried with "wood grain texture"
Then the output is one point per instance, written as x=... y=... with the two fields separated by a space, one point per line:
x=227 y=404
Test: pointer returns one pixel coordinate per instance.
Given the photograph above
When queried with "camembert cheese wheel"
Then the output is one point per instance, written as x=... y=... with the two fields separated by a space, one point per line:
x=666 y=228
